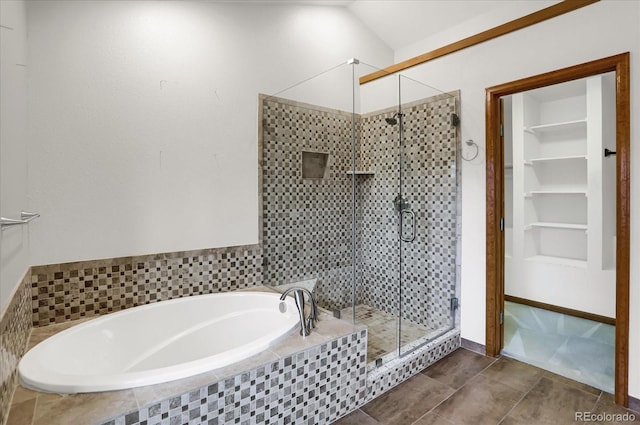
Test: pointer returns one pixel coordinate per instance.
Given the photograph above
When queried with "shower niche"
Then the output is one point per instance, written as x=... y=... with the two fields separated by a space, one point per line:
x=314 y=164
x=333 y=220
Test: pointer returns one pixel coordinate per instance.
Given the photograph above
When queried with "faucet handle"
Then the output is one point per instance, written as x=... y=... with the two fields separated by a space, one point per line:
x=311 y=322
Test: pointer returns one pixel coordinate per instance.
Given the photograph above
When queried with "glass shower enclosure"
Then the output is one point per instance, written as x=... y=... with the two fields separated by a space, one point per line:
x=359 y=202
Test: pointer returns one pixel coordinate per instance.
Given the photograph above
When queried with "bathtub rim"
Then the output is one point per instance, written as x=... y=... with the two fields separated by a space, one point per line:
x=50 y=381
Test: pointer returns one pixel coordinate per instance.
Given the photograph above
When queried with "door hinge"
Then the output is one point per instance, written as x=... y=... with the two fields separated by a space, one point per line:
x=502 y=224
x=502 y=317
x=455 y=120
x=501 y=130
x=454 y=303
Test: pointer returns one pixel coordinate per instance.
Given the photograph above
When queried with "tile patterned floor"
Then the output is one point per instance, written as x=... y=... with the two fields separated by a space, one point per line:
x=382 y=334
x=469 y=388
x=576 y=348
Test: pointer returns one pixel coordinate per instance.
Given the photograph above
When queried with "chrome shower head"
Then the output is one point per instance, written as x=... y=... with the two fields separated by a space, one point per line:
x=394 y=119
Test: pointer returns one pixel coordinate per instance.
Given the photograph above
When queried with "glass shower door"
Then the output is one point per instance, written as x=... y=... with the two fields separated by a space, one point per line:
x=426 y=208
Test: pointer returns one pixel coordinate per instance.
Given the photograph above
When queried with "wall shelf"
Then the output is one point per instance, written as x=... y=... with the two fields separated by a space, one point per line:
x=571 y=262
x=533 y=161
x=550 y=225
x=565 y=125
x=554 y=192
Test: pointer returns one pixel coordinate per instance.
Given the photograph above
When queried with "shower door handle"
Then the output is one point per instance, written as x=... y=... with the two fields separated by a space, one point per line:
x=413 y=226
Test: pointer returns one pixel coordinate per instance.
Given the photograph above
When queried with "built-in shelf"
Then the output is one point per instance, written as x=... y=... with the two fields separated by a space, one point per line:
x=555 y=192
x=556 y=158
x=361 y=172
x=572 y=226
x=559 y=198
x=571 y=262
x=566 y=125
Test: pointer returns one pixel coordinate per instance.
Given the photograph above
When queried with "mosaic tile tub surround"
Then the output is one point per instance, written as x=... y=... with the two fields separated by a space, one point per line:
x=71 y=291
x=63 y=292
x=15 y=328
x=315 y=386
x=315 y=379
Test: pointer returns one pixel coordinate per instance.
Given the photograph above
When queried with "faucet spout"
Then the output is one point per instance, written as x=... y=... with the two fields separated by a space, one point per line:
x=306 y=323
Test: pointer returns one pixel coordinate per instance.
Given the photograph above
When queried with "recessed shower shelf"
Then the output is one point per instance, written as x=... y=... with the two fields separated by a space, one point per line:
x=361 y=172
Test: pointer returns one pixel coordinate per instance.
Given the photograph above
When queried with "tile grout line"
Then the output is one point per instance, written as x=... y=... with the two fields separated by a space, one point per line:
x=598 y=401
x=455 y=391
x=521 y=398
x=35 y=409
x=510 y=359
x=369 y=416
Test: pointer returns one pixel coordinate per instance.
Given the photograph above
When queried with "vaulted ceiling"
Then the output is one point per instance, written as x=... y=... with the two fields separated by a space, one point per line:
x=400 y=23
x=403 y=22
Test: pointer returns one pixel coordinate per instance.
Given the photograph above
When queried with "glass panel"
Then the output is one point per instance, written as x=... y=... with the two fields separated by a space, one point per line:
x=307 y=195
x=378 y=272
x=426 y=212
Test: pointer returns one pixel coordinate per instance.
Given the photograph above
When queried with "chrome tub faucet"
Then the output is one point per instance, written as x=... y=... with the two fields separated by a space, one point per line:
x=309 y=322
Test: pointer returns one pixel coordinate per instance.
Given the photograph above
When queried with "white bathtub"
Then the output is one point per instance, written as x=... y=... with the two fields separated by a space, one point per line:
x=157 y=342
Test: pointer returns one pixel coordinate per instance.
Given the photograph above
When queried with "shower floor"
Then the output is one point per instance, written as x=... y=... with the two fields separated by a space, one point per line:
x=382 y=334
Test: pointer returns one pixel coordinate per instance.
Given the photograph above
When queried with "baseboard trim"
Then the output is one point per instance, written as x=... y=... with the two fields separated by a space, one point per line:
x=634 y=404
x=562 y=310
x=473 y=346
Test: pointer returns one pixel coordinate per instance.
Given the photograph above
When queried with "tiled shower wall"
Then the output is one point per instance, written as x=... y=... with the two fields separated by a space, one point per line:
x=429 y=172
x=307 y=222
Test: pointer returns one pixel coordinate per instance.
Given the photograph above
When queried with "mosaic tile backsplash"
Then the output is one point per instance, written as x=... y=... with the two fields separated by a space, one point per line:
x=315 y=386
x=15 y=328
x=71 y=291
x=307 y=223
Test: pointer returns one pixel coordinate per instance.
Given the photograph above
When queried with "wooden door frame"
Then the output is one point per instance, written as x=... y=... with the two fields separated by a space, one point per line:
x=495 y=203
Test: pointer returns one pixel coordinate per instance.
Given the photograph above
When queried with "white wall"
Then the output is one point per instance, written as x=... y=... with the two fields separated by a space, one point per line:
x=602 y=29
x=14 y=241
x=144 y=117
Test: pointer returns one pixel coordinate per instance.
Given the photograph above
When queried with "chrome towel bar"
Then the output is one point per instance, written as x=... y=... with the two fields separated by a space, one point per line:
x=25 y=217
